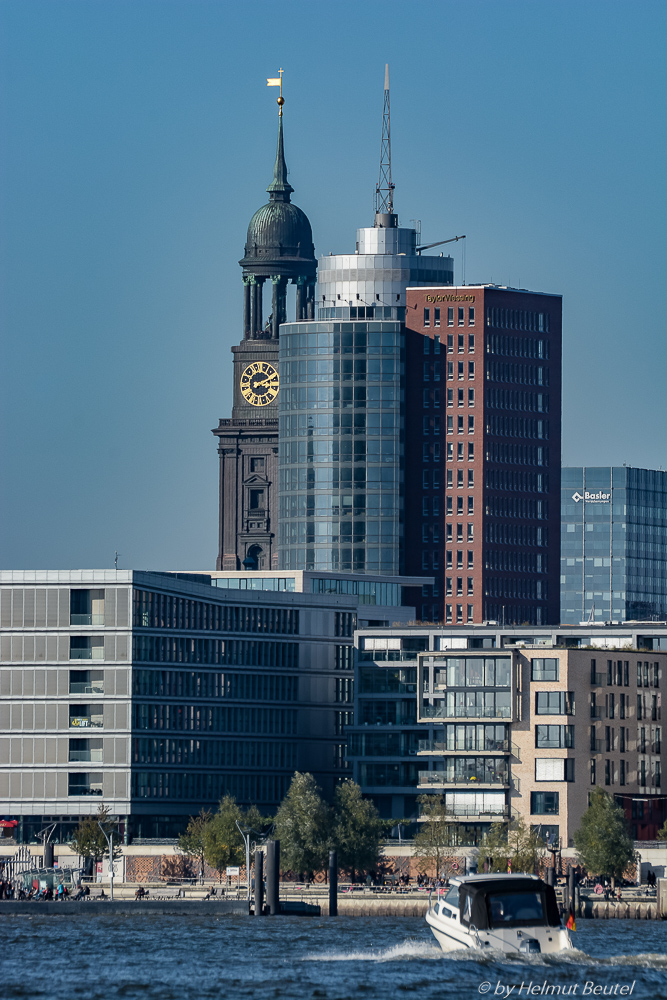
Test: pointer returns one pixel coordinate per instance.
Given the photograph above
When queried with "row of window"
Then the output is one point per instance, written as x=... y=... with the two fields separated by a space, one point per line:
x=521 y=589
x=153 y=610
x=647 y=776
x=453 y=368
x=513 y=614
x=474 y=671
x=470 y=705
x=450 y=316
x=522 y=508
x=516 y=454
x=214 y=753
x=517 y=347
x=517 y=319
x=511 y=561
x=511 y=399
x=516 y=482
x=205 y=684
x=449 y=586
x=431 y=532
x=216 y=719
x=497 y=371
x=449 y=344
x=517 y=427
x=194 y=786
x=461 y=451
x=513 y=534
x=241 y=652
x=450 y=612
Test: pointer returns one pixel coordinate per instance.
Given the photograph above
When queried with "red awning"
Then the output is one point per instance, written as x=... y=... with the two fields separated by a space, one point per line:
x=9 y=822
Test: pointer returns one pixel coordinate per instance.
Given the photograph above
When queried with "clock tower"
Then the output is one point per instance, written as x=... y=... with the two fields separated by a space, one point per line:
x=279 y=250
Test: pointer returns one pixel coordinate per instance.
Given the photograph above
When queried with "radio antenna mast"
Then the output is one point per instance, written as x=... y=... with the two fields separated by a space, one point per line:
x=384 y=191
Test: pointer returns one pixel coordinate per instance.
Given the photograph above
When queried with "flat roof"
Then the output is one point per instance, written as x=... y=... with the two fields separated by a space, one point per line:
x=490 y=287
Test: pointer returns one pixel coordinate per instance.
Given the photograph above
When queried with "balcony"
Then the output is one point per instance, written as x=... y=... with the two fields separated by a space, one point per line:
x=464 y=813
x=84 y=784
x=465 y=712
x=596 y=711
x=597 y=680
x=476 y=746
x=429 y=779
x=86 y=717
x=596 y=746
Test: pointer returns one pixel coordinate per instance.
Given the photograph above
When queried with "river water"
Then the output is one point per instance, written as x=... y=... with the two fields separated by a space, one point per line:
x=153 y=957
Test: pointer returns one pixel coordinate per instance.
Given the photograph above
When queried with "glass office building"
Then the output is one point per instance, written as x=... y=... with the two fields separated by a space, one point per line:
x=340 y=446
x=613 y=544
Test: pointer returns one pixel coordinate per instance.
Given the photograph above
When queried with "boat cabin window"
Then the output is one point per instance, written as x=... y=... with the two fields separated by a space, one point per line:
x=452 y=897
x=515 y=909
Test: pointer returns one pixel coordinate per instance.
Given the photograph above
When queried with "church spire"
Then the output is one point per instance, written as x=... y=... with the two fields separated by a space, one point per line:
x=280 y=189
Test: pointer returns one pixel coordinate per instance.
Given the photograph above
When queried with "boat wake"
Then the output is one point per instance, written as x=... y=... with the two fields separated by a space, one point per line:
x=413 y=950
x=406 y=951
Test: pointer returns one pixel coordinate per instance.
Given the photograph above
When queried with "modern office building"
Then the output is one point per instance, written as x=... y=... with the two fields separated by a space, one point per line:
x=509 y=723
x=279 y=249
x=482 y=467
x=157 y=693
x=613 y=544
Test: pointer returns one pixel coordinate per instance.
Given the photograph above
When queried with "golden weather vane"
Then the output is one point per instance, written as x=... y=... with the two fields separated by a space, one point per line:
x=277 y=81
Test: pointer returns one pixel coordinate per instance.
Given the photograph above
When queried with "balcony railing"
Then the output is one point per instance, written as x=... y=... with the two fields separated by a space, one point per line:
x=464 y=812
x=97 y=619
x=86 y=687
x=92 y=653
x=596 y=711
x=85 y=756
x=597 y=680
x=477 y=746
x=596 y=746
x=440 y=712
x=442 y=778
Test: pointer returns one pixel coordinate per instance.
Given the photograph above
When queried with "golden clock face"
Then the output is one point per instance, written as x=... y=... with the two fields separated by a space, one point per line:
x=259 y=383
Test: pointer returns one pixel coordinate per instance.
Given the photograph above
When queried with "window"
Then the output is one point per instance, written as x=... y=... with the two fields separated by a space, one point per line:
x=450 y=397
x=436 y=451
x=425 y=559
x=436 y=424
x=471 y=343
x=459 y=586
x=471 y=478
x=436 y=560
x=426 y=453
x=459 y=613
x=622 y=773
x=450 y=425
x=85 y=751
x=459 y=452
x=471 y=397
x=450 y=317
x=607 y=772
x=459 y=532
x=86 y=682
x=471 y=425
x=554 y=702
x=544 y=669
x=470 y=532
x=544 y=803
x=450 y=452
x=461 y=316
x=470 y=559
x=450 y=475
x=86 y=647
x=426 y=426
x=425 y=531
x=86 y=607
x=436 y=321
x=448 y=586
x=471 y=369
x=470 y=586
x=450 y=370
x=427 y=371
x=471 y=315
x=471 y=506
x=459 y=425
x=448 y=613
x=436 y=398
x=460 y=371
x=427 y=317
x=427 y=345
x=84 y=784
x=86 y=716
x=448 y=556
x=436 y=371
x=471 y=452
x=436 y=507
x=257 y=465
x=554 y=769
x=460 y=397
x=448 y=529
x=449 y=506
x=426 y=399
x=459 y=559
x=592 y=763
x=461 y=343
x=554 y=736
x=256 y=501
x=426 y=479
x=470 y=612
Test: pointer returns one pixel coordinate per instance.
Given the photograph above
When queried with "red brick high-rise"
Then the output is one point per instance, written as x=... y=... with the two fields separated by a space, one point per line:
x=482 y=456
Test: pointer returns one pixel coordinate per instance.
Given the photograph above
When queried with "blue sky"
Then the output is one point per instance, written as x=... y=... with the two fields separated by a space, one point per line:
x=138 y=140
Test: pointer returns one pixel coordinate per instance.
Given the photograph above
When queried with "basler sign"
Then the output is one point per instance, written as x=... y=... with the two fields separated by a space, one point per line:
x=591 y=497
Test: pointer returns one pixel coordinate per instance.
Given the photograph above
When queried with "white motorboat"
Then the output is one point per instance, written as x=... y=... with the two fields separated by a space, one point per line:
x=509 y=913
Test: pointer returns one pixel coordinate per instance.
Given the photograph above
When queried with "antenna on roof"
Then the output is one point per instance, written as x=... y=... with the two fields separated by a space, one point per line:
x=384 y=190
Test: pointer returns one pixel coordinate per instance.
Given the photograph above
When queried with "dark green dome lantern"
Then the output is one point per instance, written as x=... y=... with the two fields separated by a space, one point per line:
x=279 y=246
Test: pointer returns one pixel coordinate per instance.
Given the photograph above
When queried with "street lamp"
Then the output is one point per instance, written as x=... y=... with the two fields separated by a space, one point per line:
x=109 y=840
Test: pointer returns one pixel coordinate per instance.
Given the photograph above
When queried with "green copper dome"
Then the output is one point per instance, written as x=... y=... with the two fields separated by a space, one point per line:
x=280 y=239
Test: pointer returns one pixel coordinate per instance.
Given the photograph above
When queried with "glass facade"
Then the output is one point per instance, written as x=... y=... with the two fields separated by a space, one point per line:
x=613 y=544
x=341 y=461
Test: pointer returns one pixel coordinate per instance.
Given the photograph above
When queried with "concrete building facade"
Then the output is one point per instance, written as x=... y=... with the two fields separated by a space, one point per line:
x=521 y=723
x=157 y=693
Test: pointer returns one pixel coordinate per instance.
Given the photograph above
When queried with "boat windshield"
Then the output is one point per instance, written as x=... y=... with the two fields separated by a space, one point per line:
x=452 y=897
x=515 y=909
